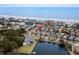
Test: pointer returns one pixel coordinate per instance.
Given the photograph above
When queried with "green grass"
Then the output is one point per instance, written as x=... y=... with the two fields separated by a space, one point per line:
x=37 y=38
x=27 y=49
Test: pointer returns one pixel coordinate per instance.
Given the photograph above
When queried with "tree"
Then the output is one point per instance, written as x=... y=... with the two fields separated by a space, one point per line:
x=76 y=26
x=21 y=31
x=61 y=42
x=11 y=19
x=6 y=46
x=66 y=26
x=19 y=40
x=2 y=19
x=12 y=39
x=10 y=32
x=13 y=45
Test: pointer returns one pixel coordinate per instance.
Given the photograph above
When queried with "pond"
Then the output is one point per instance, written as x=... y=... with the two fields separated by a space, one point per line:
x=49 y=49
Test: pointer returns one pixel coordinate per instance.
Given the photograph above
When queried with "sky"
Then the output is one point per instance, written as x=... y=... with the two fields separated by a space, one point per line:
x=56 y=12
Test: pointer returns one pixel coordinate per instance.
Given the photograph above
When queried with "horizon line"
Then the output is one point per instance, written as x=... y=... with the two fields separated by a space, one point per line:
x=39 y=18
x=39 y=5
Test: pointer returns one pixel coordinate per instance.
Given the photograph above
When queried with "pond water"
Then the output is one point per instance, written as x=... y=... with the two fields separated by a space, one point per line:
x=49 y=49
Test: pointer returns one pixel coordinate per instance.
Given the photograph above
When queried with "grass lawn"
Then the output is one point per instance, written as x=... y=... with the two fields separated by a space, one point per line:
x=37 y=38
x=27 y=49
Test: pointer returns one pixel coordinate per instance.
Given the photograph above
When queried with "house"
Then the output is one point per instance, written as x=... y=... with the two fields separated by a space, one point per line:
x=77 y=33
x=14 y=27
x=77 y=38
x=47 y=33
x=76 y=47
x=28 y=40
x=1 y=37
x=65 y=36
x=1 y=26
x=22 y=23
x=37 y=33
x=72 y=37
x=13 y=23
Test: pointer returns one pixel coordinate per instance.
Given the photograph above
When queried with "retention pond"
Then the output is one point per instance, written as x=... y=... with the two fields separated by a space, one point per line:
x=46 y=48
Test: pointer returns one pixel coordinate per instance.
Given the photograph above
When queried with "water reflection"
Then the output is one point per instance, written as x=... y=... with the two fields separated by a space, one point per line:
x=50 y=49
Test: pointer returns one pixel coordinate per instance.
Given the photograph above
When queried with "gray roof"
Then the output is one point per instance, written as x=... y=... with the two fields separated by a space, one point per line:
x=29 y=38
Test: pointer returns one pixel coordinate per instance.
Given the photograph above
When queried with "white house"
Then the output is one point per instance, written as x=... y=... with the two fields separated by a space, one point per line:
x=71 y=37
x=28 y=40
x=77 y=38
x=21 y=23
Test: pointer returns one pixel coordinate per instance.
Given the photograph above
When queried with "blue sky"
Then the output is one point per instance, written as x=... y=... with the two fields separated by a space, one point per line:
x=43 y=12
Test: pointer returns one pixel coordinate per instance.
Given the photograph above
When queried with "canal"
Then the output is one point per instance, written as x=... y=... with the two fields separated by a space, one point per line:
x=49 y=49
